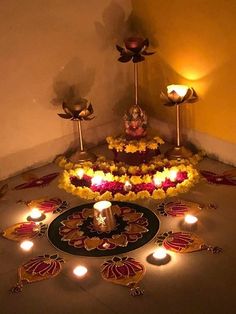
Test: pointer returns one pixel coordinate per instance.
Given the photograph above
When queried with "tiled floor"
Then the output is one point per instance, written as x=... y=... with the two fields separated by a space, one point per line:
x=194 y=283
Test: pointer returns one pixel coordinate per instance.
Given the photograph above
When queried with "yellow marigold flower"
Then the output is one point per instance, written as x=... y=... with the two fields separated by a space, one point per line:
x=90 y=172
x=136 y=180
x=143 y=194
x=132 y=169
x=144 y=168
x=109 y=177
x=158 y=194
x=152 y=146
x=141 y=147
x=130 y=148
x=106 y=196
x=113 y=168
x=68 y=165
x=147 y=179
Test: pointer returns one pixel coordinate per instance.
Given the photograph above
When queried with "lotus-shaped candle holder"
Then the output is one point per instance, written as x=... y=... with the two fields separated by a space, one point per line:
x=79 y=111
x=175 y=96
x=178 y=94
x=135 y=49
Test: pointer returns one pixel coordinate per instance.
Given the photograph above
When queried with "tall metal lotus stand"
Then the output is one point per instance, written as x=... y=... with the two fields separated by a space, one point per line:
x=78 y=112
x=81 y=155
x=177 y=95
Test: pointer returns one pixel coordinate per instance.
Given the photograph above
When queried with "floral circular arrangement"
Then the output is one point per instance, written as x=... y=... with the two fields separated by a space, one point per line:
x=73 y=231
x=107 y=180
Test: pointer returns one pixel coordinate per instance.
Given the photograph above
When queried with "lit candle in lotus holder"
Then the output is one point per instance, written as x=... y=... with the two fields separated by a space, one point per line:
x=104 y=219
x=36 y=215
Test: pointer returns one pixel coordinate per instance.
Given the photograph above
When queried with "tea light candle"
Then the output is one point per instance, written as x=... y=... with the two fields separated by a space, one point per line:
x=160 y=253
x=36 y=215
x=190 y=220
x=26 y=245
x=80 y=173
x=97 y=180
x=80 y=271
x=127 y=186
x=172 y=175
x=157 y=181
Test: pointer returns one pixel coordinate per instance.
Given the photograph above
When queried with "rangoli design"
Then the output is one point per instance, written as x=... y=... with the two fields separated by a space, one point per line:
x=184 y=242
x=227 y=178
x=24 y=230
x=38 y=182
x=74 y=232
x=179 y=208
x=48 y=205
x=125 y=271
x=37 y=269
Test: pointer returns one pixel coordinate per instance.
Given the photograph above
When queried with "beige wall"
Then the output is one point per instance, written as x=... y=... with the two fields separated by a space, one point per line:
x=43 y=42
x=195 y=44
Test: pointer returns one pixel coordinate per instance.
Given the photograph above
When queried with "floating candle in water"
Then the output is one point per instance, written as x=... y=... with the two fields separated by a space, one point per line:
x=190 y=219
x=160 y=253
x=80 y=173
x=80 y=271
x=26 y=245
x=127 y=186
x=97 y=180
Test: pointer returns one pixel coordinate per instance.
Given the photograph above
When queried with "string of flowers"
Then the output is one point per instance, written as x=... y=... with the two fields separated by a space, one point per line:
x=120 y=144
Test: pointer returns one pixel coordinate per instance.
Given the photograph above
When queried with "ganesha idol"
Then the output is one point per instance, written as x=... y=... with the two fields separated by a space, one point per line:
x=135 y=123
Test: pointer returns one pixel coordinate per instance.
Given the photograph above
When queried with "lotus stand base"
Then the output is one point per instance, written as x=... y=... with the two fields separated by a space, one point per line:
x=82 y=156
x=178 y=152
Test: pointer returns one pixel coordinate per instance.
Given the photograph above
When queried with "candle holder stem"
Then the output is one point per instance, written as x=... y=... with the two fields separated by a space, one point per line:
x=80 y=135
x=136 y=83
x=177 y=125
x=81 y=155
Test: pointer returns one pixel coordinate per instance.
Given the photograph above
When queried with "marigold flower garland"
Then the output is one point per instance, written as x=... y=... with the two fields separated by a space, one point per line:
x=120 y=144
x=106 y=180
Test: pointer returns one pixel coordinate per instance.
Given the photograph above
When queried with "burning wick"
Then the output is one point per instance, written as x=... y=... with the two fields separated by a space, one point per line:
x=127 y=186
x=80 y=271
x=36 y=215
x=26 y=245
x=160 y=253
x=190 y=219
x=97 y=180
x=80 y=173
